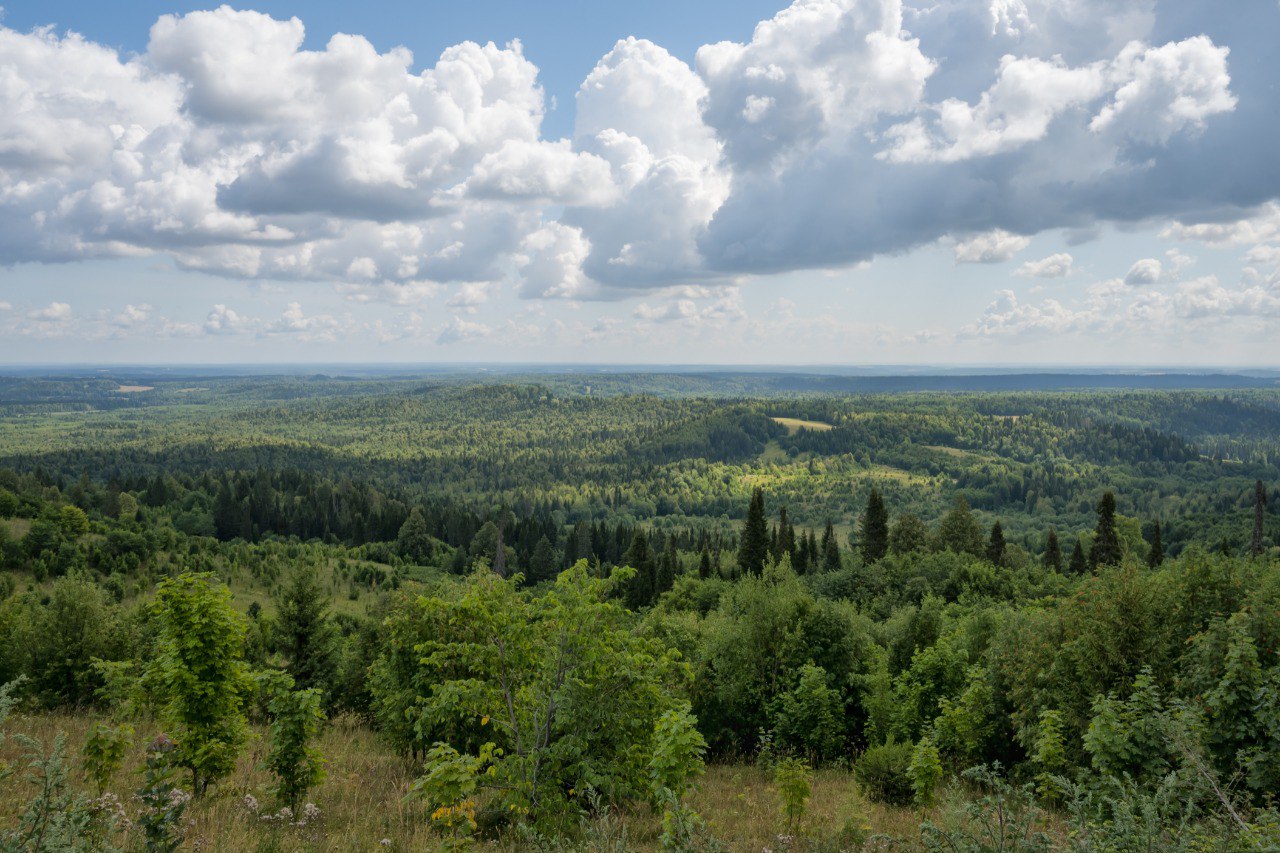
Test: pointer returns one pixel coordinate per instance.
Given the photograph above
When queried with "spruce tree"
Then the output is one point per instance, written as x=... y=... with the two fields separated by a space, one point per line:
x=996 y=545
x=754 y=546
x=1078 y=565
x=875 y=529
x=1259 y=510
x=830 y=550
x=959 y=531
x=414 y=539
x=1053 y=552
x=640 y=590
x=666 y=574
x=704 y=564
x=305 y=633
x=542 y=562
x=786 y=535
x=1156 y=555
x=1106 y=542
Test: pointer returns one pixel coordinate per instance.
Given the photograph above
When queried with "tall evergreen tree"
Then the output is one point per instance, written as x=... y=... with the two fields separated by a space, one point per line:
x=1155 y=555
x=959 y=531
x=786 y=535
x=414 y=539
x=542 y=562
x=753 y=548
x=1078 y=565
x=1106 y=541
x=305 y=633
x=996 y=545
x=641 y=589
x=1259 y=511
x=1052 y=552
x=704 y=564
x=830 y=550
x=666 y=573
x=875 y=529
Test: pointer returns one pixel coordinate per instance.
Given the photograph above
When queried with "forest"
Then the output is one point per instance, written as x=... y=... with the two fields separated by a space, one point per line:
x=569 y=611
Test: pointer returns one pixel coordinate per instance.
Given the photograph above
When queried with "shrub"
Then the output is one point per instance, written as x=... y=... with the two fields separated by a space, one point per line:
x=792 y=779
x=884 y=772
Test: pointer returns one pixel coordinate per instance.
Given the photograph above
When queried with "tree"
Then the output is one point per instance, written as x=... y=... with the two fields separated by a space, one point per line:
x=786 y=536
x=296 y=718
x=198 y=674
x=542 y=562
x=1259 y=510
x=996 y=545
x=875 y=529
x=304 y=631
x=704 y=564
x=959 y=531
x=1106 y=541
x=1052 y=551
x=1078 y=564
x=643 y=584
x=908 y=535
x=830 y=550
x=414 y=539
x=754 y=545
x=73 y=521
x=551 y=689
x=1155 y=556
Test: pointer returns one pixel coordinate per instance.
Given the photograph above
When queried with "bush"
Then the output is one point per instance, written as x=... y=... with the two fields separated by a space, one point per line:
x=884 y=772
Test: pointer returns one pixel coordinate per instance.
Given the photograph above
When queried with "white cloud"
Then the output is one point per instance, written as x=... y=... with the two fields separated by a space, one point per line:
x=1057 y=265
x=469 y=297
x=994 y=247
x=460 y=331
x=224 y=321
x=55 y=312
x=1145 y=271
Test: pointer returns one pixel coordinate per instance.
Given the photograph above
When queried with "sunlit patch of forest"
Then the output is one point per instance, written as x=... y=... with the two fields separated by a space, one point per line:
x=713 y=613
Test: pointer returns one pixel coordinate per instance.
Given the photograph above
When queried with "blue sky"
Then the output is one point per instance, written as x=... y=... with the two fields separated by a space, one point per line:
x=836 y=181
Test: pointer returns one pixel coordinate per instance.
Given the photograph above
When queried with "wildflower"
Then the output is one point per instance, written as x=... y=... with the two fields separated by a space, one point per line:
x=251 y=803
x=386 y=842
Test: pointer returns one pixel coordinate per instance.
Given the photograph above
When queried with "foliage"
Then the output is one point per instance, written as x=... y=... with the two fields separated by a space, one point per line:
x=296 y=719
x=884 y=771
x=791 y=775
x=926 y=771
x=198 y=674
x=104 y=752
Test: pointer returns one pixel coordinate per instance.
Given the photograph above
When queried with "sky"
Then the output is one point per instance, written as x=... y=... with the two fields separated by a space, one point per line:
x=949 y=182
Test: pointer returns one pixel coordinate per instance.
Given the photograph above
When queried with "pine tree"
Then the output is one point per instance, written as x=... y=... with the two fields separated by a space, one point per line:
x=875 y=529
x=996 y=545
x=1053 y=552
x=414 y=539
x=1259 y=510
x=754 y=547
x=1078 y=565
x=666 y=573
x=640 y=590
x=1106 y=542
x=1156 y=555
x=305 y=632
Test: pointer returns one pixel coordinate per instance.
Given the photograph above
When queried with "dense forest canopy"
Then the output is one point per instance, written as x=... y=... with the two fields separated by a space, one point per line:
x=550 y=601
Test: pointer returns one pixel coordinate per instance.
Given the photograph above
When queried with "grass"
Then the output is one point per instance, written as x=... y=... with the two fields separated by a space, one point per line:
x=363 y=800
x=794 y=425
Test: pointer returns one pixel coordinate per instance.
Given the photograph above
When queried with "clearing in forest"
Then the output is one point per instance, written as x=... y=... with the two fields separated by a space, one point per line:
x=794 y=425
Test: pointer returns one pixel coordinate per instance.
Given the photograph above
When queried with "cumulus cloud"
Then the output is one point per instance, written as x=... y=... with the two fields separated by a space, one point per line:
x=1145 y=271
x=224 y=321
x=460 y=331
x=1057 y=265
x=840 y=130
x=993 y=247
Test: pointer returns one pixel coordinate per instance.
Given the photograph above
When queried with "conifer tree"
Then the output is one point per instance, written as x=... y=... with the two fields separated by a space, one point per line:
x=830 y=550
x=640 y=590
x=1259 y=510
x=1106 y=542
x=704 y=564
x=542 y=562
x=1156 y=555
x=786 y=535
x=305 y=632
x=1078 y=565
x=1053 y=552
x=414 y=538
x=959 y=531
x=996 y=545
x=875 y=529
x=754 y=546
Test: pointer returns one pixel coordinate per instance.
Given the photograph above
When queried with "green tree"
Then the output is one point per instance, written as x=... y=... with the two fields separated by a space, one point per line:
x=1155 y=556
x=809 y=717
x=1078 y=565
x=875 y=529
x=73 y=521
x=542 y=562
x=304 y=630
x=831 y=561
x=996 y=545
x=753 y=546
x=555 y=688
x=296 y=719
x=414 y=540
x=959 y=531
x=642 y=586
x=1052 y=551
x=1259 y=512
x=792 y=778
x=908 y=535
x=1106 y=549
x=926 y=771
x=198 y=674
